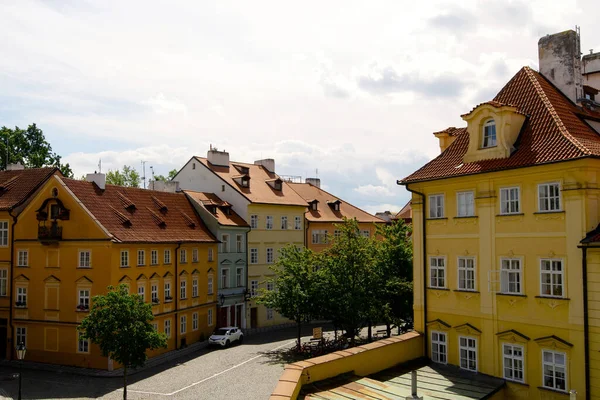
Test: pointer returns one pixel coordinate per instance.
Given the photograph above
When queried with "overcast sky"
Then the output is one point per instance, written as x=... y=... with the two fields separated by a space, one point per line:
x=353 y=89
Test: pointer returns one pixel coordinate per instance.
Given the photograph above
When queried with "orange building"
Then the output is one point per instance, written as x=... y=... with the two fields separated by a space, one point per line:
x=325 y=211
x=75 y=238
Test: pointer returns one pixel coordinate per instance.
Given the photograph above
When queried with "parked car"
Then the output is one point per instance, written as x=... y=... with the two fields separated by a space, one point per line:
x=226 y=336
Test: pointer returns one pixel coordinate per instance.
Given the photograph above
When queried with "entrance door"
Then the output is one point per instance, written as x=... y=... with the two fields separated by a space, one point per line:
x=238 y=315
x=222 y=317
x=3 y=338
x=253 y=317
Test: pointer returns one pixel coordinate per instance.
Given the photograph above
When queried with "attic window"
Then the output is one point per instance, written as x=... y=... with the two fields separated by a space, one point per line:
x=242 y=169
x=193 y=165
x=226 y=209
x=489 y=134
x=335 y=205
x=212 y=209
x=277 y=185
x=313 y=205
x=245 y=181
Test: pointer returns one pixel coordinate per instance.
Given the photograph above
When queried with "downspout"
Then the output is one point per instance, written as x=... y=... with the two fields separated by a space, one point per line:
x=245 y=322
x=12 y=283
x=176 y=324
x=586 y=324
x=424 y=234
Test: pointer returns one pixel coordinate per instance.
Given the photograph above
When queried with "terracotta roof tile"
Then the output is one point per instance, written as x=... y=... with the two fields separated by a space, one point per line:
x=552 y=132
x=203 y=199
x=325 y=212
x=144 y=224
x=259 y=190
x=18 y=185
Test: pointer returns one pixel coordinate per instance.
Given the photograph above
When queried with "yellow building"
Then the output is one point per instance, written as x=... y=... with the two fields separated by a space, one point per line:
x=325 y=211
x=498 y=218
x=17 y=186
x=75 y=238
x=274 y=211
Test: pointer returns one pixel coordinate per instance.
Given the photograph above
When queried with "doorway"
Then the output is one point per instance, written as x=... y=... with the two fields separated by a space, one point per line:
x=3 y=338
x=253 y=317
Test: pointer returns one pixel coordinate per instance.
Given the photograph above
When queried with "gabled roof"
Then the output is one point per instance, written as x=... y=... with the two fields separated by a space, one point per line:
x=204 y=199
x=149 y=221
x=552 y=132
x=325 y=212
x=17 y=186
x=406 y=212
x=259 y=190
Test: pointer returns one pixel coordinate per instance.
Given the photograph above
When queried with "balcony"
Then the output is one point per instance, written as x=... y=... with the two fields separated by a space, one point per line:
x=49 y=234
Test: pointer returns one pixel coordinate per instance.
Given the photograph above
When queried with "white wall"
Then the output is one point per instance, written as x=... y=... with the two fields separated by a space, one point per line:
x=202 y=179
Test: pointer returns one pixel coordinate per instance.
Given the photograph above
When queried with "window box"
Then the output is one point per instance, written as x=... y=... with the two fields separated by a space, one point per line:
x=168 y=299
x=81 y=308
x=20 y=304
x=155 y=301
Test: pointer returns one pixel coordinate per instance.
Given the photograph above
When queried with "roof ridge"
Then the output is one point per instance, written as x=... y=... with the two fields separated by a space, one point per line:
x=553 y=113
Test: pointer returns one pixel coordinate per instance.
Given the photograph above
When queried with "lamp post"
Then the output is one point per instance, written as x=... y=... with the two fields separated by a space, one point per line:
x=221 y=299
x=21 y=349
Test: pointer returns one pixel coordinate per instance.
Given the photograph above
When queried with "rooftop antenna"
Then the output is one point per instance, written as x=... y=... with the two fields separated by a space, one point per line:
x=100 y=166
x=7 y=151
x=152 y=171
x=144 y=173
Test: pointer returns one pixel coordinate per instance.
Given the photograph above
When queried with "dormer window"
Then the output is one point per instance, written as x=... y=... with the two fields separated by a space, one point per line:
x=245 y=181
x=489 y=134
x=335 y=205
x=277 y=185
x=312 y=205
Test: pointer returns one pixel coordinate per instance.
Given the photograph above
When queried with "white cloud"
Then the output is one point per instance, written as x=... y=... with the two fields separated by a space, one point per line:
x=375 y=208
x=160 y=104
x=375 y=191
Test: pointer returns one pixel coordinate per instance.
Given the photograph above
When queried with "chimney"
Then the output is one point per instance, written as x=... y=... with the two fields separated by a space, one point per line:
x=314 y=181
x=218 y=158
x=268 y=163
x=15 y=167
x=162 y=186
x=98 y=178
x=560 y=62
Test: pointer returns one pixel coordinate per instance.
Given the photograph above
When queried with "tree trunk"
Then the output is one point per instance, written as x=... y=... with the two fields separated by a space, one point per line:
x=299 y=343
x=370 y=333
x=124 y=382
x=388 y=329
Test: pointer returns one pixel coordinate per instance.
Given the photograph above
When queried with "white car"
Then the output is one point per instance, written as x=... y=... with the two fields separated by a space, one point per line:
x=226 y=336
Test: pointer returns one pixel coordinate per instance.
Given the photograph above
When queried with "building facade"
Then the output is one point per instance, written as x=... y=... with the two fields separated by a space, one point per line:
x=228 y=227
x=274 y=211
x=498 y=218
x=75 y=238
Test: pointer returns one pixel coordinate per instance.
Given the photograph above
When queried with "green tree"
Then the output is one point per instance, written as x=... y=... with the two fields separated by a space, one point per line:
x=127 y=177
x=348 y=270
x=296 y=280
x=119 y=323
x=30 y=148
x=169 y=177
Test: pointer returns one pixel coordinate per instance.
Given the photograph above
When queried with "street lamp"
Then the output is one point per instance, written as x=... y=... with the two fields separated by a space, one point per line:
x=21 y=350
x=221 y=299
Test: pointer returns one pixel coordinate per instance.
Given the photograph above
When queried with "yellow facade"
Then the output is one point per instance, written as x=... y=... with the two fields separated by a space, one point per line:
x=263 y=241
x=531 y=320
x=6 y=222
x=57 y=273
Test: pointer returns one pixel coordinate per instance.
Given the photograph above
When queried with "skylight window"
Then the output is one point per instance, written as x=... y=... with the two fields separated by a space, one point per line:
x=489 y=134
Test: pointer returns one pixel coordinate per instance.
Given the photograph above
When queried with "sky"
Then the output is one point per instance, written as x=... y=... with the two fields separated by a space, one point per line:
x=347 y=91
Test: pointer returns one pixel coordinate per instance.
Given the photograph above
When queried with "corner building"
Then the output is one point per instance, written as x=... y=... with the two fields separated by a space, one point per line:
x=75 y=238
x=498 y=220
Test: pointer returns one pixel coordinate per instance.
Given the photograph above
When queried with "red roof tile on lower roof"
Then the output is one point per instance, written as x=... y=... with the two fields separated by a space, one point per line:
x=16 y=186
x=142 y=226
x=553 y=132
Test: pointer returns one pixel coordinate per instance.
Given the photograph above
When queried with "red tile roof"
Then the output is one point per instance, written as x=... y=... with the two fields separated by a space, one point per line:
x=18 y=185
x=325 y=212
x=210 y=199
x=552 y=132
x=140 y=215
x=259 y=191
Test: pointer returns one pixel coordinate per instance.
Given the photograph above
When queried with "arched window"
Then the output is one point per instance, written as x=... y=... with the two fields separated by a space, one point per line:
x=489 y=134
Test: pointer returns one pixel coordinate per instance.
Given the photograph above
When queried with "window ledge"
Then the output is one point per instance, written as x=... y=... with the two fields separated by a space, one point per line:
x=82 y=311
x=22 y=266
x=466 y=291
x=125 y=266
x=510 y=215
x=435 y=219
x=553 y=390
x=550 y=212
x=183 y=298
x=466 y=216
x=80 y=267
x=168 y=301
x=141 y=265
x=154 y=265
x=511 y=294
x=435 y=288
x=552 y=298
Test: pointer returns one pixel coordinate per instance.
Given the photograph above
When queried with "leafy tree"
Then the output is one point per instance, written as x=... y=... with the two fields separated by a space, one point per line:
x=30 y=148
x=348 y=270
x=296 y=294
x=128 y=177
x=119 y=323
x=169 y=177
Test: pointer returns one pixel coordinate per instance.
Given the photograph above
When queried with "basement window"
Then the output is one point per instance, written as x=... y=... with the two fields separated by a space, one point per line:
x=489 y=134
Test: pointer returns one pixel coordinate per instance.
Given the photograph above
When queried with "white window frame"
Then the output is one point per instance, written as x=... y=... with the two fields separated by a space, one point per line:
x=83 y=345
x=506 y=273
x=253 y=288
x=224 y=278
x=239 y=276
x=462 y=266
x=167 y=256
x=254 y=221
x=437 y=268
x=319 y=236
x=167 y=290
x=549 y=202
x=297 y=223
x=284 y=222
x=183 y=324
x=83 y=298
x=269 y=314
x=4 y=232
x=23 y=258
x=183 y=289
x=124 y=259
x=168 y=328
x=3 y=282
x=209 y=317
x=254 y=256
x=554 y=365
x=270 y=286
x=465 y=203
x=195 y=255
x=211 y=254
x=142 y=291
x=552 y=273
x=269 y=222
x=195 y=321
x=21 y=294
x=489 y=123
x=183 y=256
x=154 y=292
x=154 y=257
x=210 y=285
x=436 y=205
x=21 y=335
x=84 y=259
x=141 y=257
x=225 y=243
x=239 y=243
x=514 y=360
x=469 y=349
x=194 y=286
x=270 y=256
x=365 y=233
x=439 y=347
x=508 y=204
